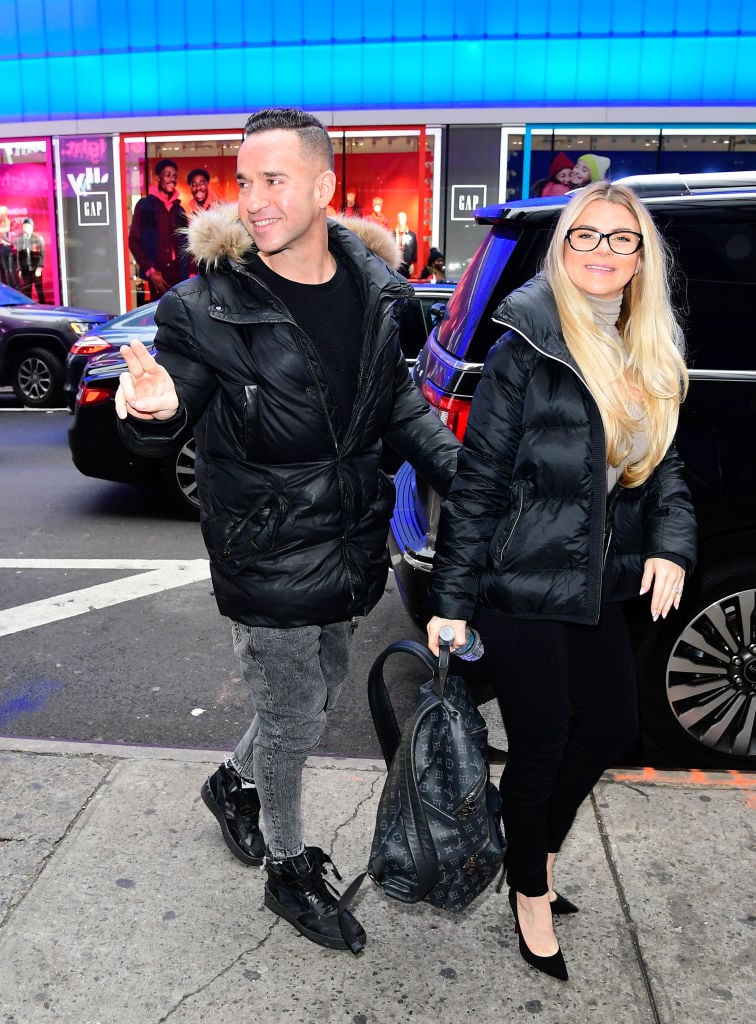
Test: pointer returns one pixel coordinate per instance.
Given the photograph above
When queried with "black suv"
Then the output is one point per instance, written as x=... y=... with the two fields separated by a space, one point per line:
x=697 y=669
x=34 y=343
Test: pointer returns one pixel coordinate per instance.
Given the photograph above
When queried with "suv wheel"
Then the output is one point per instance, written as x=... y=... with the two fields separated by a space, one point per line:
x=38 y=378
x=699 y=688
x=178 y=476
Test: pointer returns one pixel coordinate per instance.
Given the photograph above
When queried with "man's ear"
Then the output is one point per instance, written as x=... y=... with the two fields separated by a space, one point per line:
x=325 y=188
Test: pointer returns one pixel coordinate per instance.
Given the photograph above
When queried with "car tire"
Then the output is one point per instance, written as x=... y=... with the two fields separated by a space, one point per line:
x=697 y=674
x=179 y=479
x=38 y=378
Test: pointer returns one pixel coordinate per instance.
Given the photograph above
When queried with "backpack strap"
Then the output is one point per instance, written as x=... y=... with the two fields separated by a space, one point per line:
x=381 y=708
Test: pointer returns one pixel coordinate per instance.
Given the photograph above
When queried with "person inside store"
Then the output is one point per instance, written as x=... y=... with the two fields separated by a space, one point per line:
x=203 y=196
x=156 y=236
x=568 y=500
x=283 y=356
x=30 y=250
x=376 y=215
x=8 y=262
x=560 y=177
x=590 y=167
x=435 y=269
x=350 y=207
x=406 y=243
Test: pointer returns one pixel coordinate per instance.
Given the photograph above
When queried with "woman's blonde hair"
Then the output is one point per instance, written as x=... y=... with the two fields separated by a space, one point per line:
x=653 y=363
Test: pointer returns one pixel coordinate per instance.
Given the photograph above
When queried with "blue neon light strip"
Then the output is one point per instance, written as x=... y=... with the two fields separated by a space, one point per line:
x=91 y=59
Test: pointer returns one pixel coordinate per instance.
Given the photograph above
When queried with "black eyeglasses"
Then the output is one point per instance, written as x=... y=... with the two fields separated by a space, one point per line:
x=623 y=243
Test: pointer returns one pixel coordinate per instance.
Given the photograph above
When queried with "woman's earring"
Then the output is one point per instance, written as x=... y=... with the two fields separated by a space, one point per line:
x=637 y=269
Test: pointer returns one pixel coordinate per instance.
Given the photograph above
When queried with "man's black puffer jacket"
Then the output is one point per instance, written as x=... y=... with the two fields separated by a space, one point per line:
x=295 y=521
x=525 y=528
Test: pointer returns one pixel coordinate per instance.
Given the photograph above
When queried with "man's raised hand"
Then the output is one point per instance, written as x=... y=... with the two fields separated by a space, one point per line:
x=146 y=389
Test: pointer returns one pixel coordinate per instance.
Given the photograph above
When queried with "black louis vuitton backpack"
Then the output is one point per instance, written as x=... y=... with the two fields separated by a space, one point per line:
x=437 y=834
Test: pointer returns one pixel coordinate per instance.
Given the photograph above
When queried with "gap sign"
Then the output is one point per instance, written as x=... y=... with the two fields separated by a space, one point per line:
x=466 y=199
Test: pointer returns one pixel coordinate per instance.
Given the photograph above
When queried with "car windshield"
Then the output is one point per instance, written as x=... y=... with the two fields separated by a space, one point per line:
x=144 y=316
x=10 y=297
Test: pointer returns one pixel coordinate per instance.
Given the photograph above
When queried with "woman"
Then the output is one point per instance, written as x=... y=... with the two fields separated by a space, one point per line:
x=568 y=498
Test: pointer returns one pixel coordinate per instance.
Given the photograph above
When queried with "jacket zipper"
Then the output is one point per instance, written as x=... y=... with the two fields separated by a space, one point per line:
x=505 y=545
x=548 y=355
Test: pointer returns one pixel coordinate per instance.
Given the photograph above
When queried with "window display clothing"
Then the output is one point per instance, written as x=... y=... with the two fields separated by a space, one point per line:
x=30 y=253
x=406 y=242
x=156 y=240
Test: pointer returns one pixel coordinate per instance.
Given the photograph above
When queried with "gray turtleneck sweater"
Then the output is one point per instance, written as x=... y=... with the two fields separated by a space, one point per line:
x=606 y=314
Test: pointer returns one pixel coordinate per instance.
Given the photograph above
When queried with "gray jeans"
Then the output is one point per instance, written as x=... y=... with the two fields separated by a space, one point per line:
x=294 y=676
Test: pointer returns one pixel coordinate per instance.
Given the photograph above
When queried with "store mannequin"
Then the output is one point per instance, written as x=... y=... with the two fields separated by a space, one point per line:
x=350 y=208
x=31 y=259
x=376 y=213
x=406 y=242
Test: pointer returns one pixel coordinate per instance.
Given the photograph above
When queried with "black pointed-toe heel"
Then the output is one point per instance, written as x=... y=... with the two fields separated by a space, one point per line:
x=561 y=905
x=554 y=965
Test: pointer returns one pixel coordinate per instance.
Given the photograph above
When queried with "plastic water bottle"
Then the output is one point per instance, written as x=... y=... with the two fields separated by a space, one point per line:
x=473 y=648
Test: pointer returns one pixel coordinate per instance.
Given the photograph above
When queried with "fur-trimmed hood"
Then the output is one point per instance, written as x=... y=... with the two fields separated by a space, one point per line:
x=218 y=232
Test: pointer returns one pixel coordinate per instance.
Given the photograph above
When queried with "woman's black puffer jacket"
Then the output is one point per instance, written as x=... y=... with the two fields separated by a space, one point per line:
x=294 y=519
x=527 y=527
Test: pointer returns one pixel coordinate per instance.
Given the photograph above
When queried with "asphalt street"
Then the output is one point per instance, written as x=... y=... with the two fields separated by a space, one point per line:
x=110 y=630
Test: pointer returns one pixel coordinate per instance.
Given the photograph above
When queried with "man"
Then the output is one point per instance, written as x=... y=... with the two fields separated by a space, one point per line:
x=406 y=243
x=434 y=271
x=203 y=197
x=283 y=354
x=156 y=236
x=30 y=250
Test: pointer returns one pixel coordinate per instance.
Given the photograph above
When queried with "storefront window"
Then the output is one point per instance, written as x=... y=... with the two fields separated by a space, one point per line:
x=556 y=165
x=26 y=194
x=213 y=155
x=717 y=149
x=386 y=175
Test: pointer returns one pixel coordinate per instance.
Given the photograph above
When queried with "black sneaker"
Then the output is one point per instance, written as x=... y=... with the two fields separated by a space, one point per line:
x=237 y=811
x=298 y=891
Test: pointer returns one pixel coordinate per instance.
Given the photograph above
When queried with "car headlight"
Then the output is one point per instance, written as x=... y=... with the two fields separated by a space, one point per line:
x=79 y=326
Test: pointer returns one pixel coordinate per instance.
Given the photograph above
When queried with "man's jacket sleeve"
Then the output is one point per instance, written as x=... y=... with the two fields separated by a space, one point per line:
x=195 y=384
x=418 y=435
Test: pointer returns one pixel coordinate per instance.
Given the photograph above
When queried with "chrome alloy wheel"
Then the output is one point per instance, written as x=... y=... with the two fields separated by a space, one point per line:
x=711 y=676
x=185 y=480
x=35 y=379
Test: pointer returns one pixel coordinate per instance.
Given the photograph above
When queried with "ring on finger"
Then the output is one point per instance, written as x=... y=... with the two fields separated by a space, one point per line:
x=677 y=590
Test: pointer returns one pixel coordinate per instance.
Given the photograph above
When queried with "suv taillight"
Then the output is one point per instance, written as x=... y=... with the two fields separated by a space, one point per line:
x=93 y=396
x=451 y=411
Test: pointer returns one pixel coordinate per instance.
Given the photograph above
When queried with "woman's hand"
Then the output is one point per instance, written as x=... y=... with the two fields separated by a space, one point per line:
x=667 y=579
x=435 y=626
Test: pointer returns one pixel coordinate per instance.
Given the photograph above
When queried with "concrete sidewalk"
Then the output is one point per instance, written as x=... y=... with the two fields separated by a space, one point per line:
x=120 y=904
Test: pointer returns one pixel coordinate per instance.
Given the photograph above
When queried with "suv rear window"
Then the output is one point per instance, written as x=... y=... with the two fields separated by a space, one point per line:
x=469 y=332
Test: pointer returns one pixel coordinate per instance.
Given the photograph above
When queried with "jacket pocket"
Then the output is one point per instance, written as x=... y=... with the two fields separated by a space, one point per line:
x=505 y=531
x=255 y=535
x=251 y=422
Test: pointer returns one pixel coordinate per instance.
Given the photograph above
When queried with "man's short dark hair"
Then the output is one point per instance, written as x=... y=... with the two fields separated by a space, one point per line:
x=312 y=133
x=198 y=171
x=161 y=165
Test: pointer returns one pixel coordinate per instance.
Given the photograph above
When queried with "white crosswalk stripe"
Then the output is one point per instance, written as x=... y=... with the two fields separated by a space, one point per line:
x=151 y=577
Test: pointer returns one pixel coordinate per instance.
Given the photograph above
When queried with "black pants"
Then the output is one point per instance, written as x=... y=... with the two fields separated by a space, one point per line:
x=568 y=698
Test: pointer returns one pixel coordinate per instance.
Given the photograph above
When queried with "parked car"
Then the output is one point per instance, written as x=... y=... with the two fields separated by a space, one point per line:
x=93 y=436
x=121 y=330
x=696 y=669
x=34 y=342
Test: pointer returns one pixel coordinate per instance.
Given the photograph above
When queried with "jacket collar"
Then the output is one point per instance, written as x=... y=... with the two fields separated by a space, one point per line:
x=217 y=234
x=531 y=311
